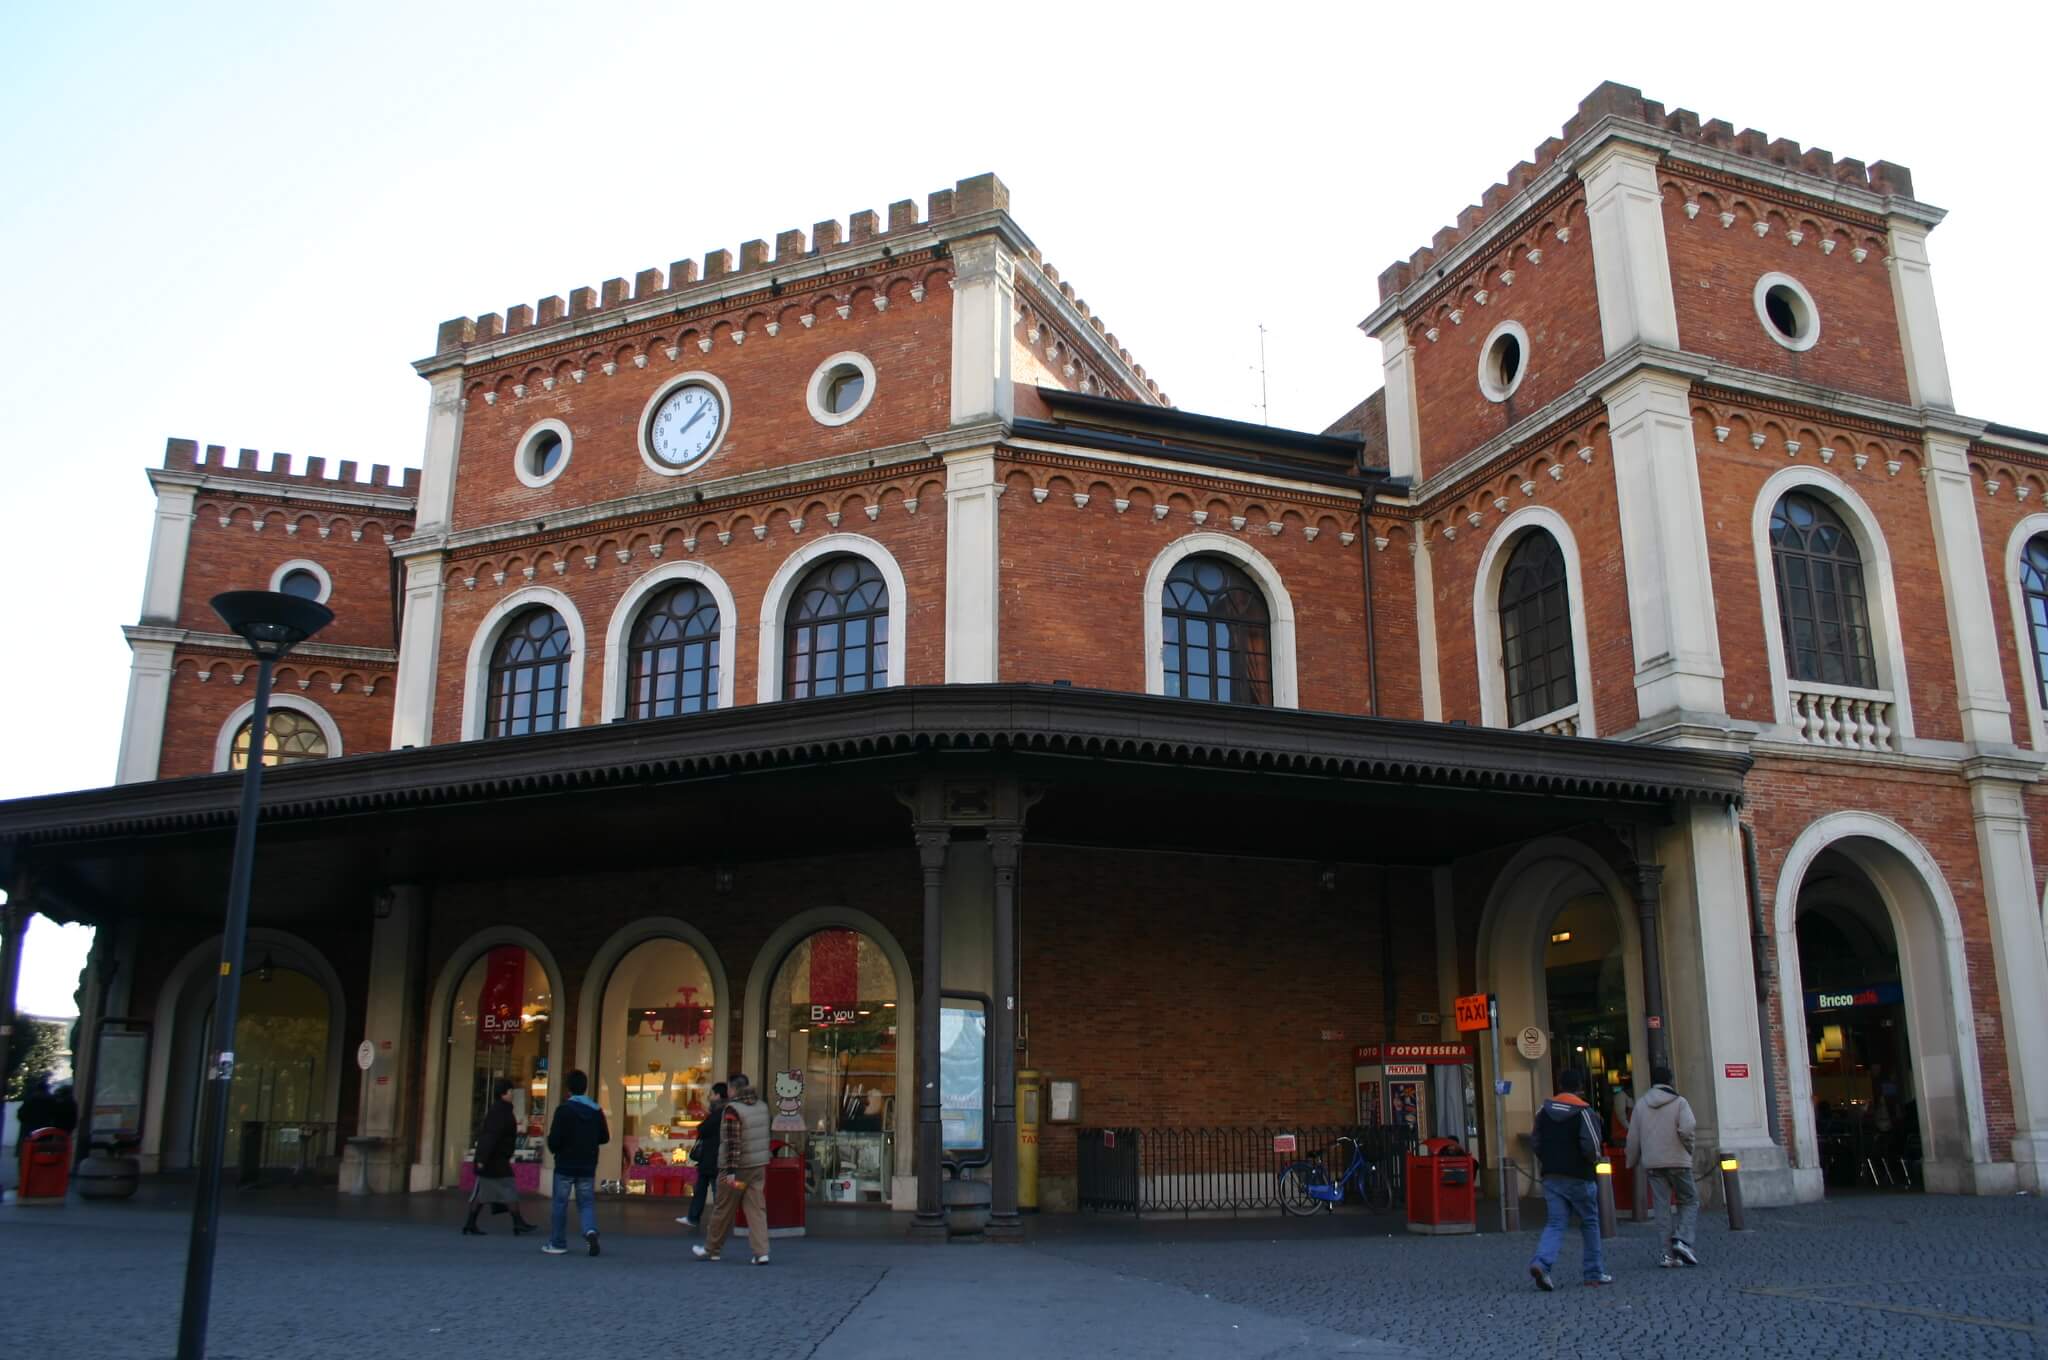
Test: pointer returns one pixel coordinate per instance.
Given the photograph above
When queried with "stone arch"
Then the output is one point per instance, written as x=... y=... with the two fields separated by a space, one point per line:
x=1493 y=708
x=476 y=672
x=2022 y=629
x=754 y=1019
x=224 y=741
x=1286 y=683
x=612 y=702
x=775 y=603
x=426 y=1171
x=1927 y=930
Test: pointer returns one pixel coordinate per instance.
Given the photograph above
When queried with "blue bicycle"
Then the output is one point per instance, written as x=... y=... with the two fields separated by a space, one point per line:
x=1308 y=1187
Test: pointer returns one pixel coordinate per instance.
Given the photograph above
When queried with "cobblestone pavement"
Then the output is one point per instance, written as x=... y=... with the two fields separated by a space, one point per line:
x=314 y=1277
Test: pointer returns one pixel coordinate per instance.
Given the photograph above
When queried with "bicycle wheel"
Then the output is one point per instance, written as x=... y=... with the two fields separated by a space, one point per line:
x=1379 y=1188
x=1294 y=1183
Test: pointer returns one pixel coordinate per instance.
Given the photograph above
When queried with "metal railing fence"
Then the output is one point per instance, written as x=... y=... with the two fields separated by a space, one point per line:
x=1177 y=1170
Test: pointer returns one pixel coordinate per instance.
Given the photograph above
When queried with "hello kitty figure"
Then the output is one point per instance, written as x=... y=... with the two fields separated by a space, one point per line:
x=789 y=1101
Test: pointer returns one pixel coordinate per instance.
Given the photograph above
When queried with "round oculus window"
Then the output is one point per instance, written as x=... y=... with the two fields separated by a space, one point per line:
x=1503 y=361
x=544 y=451
x=685 y=426
x=840 y=388
x=544 y=454
x=301 y=583
x=1787 y=312
x=843 y=386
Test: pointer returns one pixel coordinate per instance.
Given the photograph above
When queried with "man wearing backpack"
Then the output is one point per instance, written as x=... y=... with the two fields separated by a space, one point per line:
x=1567 y=1143
x=1660 y=1140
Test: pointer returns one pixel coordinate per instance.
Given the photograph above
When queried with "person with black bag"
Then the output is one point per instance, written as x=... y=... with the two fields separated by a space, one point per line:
x=1567 y=1143
x=495 y=1186
x=705 y=1155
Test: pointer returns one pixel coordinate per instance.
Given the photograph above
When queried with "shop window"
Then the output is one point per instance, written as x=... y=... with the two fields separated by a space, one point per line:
x=2034 y=586
x=836 y=638
x=280 y=1080
x=529 y=681
x=654 y=1065
x=1536 y=631
x=499 y=1026
x=832 y=1052
x=1215 y=634
x=672 y=665
x=288 y=738
x=1822 y=606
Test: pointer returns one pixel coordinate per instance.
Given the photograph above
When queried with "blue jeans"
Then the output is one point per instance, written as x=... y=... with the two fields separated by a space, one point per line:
x=586 y=1206
x=1562 y=1197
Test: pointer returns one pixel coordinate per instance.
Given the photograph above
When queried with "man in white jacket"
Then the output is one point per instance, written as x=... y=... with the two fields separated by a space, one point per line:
x=1660 y=1139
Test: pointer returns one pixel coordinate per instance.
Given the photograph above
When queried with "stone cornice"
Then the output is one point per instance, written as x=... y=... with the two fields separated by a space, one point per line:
x=228 y=645
x=1036 y=453
x=335 y=494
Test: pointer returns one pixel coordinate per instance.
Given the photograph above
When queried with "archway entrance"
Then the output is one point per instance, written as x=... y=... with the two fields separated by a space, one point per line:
x=655 y=1060
x=1585 y=983
x=1881 y=1052
x=278 y=1116
x=500 y=1025
x=1866 y=1109
x=831 y=1053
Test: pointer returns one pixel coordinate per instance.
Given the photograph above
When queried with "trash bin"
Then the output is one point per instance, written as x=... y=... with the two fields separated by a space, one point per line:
x=1442 y=1188
x=45 y=1167
x=1624 y=1178
x=784 y=1191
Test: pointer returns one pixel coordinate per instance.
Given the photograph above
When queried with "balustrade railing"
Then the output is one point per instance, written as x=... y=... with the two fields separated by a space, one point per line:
x=1845 y=719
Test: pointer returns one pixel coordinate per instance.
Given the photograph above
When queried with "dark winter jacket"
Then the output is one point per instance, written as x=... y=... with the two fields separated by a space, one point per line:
x=495 y=1139
x=705 y=1154
x=1566 y=1139
x=578 y=1131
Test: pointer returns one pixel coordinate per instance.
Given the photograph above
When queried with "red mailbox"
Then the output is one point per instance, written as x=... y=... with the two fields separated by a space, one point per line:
x=1624 y=1178
x=45 y=1167
x=1442 y=1188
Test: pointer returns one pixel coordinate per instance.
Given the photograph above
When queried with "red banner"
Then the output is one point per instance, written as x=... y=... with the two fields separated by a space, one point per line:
x=835 y=969
x=497 y=1007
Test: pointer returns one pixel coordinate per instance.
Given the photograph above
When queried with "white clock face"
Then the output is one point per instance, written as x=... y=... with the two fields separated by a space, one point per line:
x=686 y=425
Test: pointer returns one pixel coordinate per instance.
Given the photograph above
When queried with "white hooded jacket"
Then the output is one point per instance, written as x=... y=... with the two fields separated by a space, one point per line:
x=1661 y=1133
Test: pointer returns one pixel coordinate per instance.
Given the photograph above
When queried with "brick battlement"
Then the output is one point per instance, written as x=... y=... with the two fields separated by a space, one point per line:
x=1623 y=101
x=185 y=455
x=969 y=197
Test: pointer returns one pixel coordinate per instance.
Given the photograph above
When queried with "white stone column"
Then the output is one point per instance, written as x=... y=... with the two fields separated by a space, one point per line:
x=984 y=308
x=397 y=953
x=1710 y=998
x=1631 y=264
x=419 y=650
x=443 y=449
x=1966 y=593
x=2019 y=957
x=149 y=701
x=1919 y=322
x=973 y=566
x=169 y=540
x=1664 y=547
x=1404 y=430
x=1425 y=631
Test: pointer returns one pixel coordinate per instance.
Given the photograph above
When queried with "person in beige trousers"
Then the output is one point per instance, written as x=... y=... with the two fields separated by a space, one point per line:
x=743 y=1167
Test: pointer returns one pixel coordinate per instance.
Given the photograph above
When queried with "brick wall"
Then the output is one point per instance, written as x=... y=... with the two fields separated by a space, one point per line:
x=198 y=710
x=238 y=557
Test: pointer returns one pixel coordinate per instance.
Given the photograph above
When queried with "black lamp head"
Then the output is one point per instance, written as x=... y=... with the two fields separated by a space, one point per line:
x=271 y=622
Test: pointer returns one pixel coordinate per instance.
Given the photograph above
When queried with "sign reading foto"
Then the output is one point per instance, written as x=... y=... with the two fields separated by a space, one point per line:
x=1472 y=1013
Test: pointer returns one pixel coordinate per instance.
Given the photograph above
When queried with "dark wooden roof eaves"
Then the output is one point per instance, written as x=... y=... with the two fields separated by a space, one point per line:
x=1018 y=718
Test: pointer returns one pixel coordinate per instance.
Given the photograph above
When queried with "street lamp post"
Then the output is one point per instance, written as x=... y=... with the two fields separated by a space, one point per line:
x=272 y=624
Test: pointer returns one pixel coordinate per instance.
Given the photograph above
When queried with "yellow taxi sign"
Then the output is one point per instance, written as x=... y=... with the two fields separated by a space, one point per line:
x=1473 y=1012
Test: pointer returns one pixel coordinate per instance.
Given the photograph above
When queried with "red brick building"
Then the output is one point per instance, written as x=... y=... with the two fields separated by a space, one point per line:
x=1657 y=650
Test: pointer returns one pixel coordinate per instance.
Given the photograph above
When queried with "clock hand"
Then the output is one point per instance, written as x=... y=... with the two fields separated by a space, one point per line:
x=702 y=411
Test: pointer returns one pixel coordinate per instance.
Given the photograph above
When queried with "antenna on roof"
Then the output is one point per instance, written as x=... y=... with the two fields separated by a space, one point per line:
x=1265 y=412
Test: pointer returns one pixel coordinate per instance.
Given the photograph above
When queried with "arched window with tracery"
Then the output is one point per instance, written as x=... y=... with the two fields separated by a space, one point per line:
x=1536 y=630
x=288 y=738
x=1215 y=634
x=1823 y=609
x=2034 y=590
x=529 y=683
x=836 y=634
x=672 y=659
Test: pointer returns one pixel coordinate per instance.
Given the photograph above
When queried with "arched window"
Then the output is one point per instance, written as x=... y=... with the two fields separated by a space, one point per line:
x=529 y=676
x=288 y=738
x=1822 y=608
x=1215 y=634
x=2034 y=591
x=836 y=637
x=1536 y=630
x=672 y=665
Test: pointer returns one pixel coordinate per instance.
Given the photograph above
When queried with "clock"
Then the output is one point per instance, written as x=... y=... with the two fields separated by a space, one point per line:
x=685 y=426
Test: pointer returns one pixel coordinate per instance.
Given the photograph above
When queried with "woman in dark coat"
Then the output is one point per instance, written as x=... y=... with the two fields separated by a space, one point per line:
x=495 y=1141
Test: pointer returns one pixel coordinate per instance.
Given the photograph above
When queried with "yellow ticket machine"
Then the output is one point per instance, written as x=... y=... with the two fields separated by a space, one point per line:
x=1030 y=1114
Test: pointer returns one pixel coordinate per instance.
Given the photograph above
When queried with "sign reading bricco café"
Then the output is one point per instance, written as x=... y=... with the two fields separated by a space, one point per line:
x=1412 y=1053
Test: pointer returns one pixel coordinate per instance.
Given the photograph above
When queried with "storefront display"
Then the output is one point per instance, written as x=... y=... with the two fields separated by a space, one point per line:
x=499 y=1027
x=832 y=1041
x=654 y=1068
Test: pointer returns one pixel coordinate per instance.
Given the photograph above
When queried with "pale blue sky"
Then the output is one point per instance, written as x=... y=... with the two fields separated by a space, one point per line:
x=238 y=223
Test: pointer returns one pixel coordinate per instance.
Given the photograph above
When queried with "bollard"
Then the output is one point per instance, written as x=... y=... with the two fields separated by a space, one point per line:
x=1603 y=1172
x=1510 y=1199
x=1640 y=1211
x=1731 y=1191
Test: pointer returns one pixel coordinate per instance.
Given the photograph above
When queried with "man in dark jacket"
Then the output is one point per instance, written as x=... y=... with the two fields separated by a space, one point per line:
x=705 y=1154
x=1567 y=1143
x=496 y=1138
x=578 y=1131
